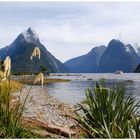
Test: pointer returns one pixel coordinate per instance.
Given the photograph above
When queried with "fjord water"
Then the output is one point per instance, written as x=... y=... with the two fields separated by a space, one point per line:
x=73 y=92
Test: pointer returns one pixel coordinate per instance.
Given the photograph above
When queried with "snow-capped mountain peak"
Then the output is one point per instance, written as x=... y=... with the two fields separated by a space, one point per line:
x=30 y=35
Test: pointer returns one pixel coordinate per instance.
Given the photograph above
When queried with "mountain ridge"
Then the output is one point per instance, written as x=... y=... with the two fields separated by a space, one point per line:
x=87 y=63
x=21 y=50
x=116 y=56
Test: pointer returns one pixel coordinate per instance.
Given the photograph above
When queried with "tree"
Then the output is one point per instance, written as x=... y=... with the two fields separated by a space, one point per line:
x=44 y=69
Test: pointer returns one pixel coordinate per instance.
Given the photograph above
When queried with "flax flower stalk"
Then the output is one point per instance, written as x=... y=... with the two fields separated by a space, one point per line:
x=35 y=53
x=7 y=67
x=39 y=78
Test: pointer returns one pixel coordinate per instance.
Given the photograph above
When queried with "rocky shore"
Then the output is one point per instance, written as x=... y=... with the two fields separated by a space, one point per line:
x=43 y=106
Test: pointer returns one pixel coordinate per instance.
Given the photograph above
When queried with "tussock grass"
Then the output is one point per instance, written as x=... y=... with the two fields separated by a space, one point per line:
x=10 y=116
x=14 y=85
x=106 y=114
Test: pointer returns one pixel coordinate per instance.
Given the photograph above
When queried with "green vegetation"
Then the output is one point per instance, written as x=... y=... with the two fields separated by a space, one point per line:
x=43 y=69
x=14 y=85
x=29 y=81
x=10 y=115
x=104 y=114
x=107 y=114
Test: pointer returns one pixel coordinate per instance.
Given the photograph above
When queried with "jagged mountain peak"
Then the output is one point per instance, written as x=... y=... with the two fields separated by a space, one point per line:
x=20 y=51
x=115 y=42
x=129 y=48
x=118 y=56
x=30 y=35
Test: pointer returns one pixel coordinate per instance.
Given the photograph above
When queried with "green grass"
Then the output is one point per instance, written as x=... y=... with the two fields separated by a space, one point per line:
x=10 y=115
x=106 y=114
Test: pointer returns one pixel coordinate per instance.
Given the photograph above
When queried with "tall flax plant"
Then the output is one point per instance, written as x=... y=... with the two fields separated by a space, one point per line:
x=106 y=114
x=36 y=54
x=10 y=115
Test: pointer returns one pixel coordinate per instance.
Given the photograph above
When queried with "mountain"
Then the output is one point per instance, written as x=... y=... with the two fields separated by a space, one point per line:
x=20 y=53
x=137 y=70
x=87 y=63
x=118 y=56
x=138 y=51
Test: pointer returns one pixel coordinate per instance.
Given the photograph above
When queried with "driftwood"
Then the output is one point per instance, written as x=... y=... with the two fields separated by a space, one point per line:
x=44 y=134
x=59 y=130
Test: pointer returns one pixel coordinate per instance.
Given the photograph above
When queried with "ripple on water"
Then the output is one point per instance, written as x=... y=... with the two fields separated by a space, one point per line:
x=74 y=92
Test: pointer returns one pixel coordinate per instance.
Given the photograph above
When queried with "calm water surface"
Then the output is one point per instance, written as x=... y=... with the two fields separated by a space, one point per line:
x=74 y=91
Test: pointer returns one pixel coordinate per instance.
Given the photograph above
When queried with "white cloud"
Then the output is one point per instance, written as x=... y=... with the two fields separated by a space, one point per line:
x=71 y=29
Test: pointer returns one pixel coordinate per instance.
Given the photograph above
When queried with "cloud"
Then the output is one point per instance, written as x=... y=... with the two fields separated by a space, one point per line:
x=71 y=27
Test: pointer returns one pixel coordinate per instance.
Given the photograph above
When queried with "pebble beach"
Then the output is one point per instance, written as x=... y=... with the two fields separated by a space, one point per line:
x=40 y=104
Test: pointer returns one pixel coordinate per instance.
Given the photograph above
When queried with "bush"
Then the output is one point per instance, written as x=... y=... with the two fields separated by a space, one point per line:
x=106 y=114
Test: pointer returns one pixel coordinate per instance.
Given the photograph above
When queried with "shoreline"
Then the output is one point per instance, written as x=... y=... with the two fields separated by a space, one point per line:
x=41 y=105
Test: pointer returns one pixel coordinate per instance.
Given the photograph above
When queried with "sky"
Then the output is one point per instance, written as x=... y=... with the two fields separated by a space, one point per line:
x=71 y=29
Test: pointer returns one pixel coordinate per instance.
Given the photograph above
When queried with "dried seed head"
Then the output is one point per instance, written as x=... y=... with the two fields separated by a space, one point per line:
x=39 y=78
x=7 y=67
x=36 y=53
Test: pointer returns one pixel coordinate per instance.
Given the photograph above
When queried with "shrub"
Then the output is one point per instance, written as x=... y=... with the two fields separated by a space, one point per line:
x=107 y=114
